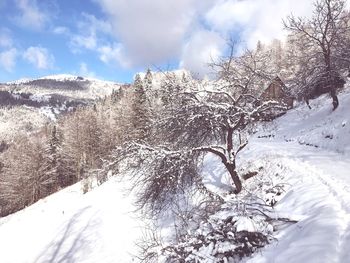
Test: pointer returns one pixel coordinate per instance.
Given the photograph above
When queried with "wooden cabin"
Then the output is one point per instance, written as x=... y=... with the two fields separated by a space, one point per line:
x=276 y=91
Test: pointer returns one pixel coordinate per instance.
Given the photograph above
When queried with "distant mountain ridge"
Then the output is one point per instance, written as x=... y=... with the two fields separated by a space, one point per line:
x=27 y=104
x=63 y=84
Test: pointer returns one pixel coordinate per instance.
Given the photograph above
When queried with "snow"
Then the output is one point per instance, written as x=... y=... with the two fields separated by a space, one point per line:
x=319 y=198
x=61 y=77
x=307 y=150
x=14 y=120
x=48 y=112
x=19 y=81
x=319 y=179
x=20 y=120
x=245 y=224
x=94 y=88
x=310 y=149
x=320 y=127
x=39 y=97
x=69 y=226
x=58 y=77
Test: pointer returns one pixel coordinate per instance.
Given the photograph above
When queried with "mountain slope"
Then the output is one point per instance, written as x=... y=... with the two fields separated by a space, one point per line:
x=70 y=226
x=306 y=155
x=66 y=85
x=308 y=149
x=26 y=105
x=314 y=147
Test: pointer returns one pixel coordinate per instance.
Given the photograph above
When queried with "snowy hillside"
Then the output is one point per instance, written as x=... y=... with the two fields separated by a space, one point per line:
x=313 y=146
x=99 y=226
x=21 y=119
x=44 y=99
x=305 y=152
x=66 y=85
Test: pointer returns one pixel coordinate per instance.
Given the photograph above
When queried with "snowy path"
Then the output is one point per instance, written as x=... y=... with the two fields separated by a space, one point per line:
x=99 y=226
x=319 y=198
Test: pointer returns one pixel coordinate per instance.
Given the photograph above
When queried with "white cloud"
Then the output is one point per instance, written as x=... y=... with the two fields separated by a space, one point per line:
x=30 y=15
x=202 y=48
x=151 y=31
x=61 y=30
x=39 y=57
x=226 y=15
x=85 y=72
x=157 y=31
x=5 y=38
x=89 y=29
x=255 y=20
x=83 y=41
x=145 y=33
x=113 y=55
x=8 y=59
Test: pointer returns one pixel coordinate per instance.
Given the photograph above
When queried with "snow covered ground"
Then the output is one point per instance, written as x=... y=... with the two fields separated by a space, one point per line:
x=309 y=148
x=69 y=226
x=314 y=146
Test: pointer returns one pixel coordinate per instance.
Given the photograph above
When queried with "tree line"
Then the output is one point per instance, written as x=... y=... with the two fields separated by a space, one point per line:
x=63 y=152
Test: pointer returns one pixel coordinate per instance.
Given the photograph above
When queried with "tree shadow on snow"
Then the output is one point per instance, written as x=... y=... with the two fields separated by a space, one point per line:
x=70 y=242
x=215 y=177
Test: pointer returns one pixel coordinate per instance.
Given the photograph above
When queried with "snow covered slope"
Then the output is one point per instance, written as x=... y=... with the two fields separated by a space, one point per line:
x=69 y=226
x=26 y=105
x=66 y=85
x=314 y=148
x=307 y=152
x=21 y=119
x=310 y=149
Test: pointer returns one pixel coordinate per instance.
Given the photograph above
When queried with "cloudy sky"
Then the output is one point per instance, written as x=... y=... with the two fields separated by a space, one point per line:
x=113 y=39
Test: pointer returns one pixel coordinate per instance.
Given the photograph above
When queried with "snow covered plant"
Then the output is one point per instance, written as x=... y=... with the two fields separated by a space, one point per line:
x=238 y=227
x=213 y=121
x=160 y=175
x=201 y=118
x=322 y=49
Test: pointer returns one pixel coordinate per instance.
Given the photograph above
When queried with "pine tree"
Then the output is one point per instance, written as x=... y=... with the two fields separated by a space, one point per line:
x=148 y=80
x=138 y=80
x=53 y=161
x=140 y=115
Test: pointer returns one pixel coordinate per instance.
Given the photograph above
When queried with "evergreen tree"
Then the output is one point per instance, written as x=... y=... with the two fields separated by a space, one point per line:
x=53 y=158
x=148 y=80
x=140 y=115
x=138 y=80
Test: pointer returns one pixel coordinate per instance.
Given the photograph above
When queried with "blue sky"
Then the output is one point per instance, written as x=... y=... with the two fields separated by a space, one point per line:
x=114 y=39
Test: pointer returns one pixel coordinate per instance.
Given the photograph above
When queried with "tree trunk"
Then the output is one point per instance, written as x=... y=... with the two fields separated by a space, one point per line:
x=230 y=165
x=335 y=98
x=307 y=102
x=234 y=176
x=330 y=74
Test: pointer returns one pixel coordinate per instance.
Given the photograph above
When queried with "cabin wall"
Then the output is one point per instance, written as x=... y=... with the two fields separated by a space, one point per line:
x=275 y=92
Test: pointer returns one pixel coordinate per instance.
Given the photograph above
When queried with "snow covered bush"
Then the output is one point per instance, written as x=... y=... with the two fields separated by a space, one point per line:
x=238 y=226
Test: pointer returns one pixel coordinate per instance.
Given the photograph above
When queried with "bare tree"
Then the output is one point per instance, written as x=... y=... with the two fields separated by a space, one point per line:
x=213 y=121
x=204 y=117
x=324 y=32
x=248 y=73
x=27 y=174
